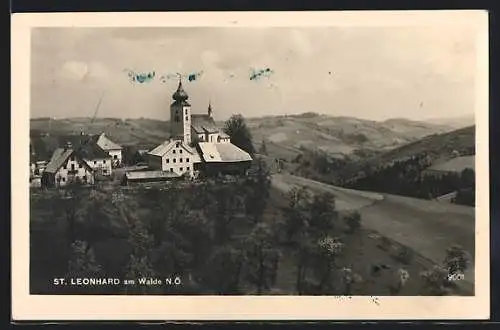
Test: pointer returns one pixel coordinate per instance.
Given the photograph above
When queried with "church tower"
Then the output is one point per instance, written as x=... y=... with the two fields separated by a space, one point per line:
x=180 y=115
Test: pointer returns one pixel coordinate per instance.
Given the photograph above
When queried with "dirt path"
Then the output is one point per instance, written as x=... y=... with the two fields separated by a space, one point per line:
x=427 y=227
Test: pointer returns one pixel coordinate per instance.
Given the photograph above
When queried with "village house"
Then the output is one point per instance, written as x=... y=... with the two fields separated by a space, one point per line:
x=113 y=149
x=196 y=144
x=174 y=156
x=66 y=166
x=99 y=160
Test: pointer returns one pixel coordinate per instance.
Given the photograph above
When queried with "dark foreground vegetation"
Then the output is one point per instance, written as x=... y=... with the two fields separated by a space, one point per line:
x=234 y=236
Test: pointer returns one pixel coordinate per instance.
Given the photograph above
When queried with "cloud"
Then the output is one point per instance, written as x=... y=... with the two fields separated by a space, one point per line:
x=81 y=71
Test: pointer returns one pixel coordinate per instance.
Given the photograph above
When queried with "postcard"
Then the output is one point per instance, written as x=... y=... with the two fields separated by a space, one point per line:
x=250 y=166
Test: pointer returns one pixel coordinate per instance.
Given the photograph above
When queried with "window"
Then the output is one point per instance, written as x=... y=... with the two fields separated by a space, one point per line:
x=63 y=179
x=180 y=151
x=95 y=162
x=180 y=160
x=173 y=151
x=171 y=169
x=72 y=167
x=177 y=119
x=168 y=160
x=187 y=160
x=186 y=118
x=115 y=157
x=80 y=165
x=181 y=169
x=186 y=112
x=104 y=162
x=187 y=168
x=174 y=160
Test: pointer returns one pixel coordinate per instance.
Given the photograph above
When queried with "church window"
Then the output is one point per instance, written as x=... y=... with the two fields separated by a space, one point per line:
x=177 y=119
x=186 y=112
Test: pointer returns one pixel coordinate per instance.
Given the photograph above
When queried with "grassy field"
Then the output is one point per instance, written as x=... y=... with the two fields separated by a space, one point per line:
x=427 y=227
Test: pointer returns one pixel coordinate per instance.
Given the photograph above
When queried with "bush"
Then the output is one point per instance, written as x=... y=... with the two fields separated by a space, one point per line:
x=405 y=255
x=436 y=280
x=353 y=221
x=385 y=243
x=456 y=260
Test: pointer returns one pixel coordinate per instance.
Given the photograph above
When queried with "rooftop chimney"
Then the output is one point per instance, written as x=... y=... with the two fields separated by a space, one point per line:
x=68 y=145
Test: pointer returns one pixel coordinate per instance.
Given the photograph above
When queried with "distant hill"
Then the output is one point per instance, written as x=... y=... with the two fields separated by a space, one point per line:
x=455 y=122
x=437 y=146
x=288 y=136
x=285 y=136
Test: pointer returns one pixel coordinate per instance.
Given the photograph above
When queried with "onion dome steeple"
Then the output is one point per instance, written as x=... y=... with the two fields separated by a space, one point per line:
x=180 y=95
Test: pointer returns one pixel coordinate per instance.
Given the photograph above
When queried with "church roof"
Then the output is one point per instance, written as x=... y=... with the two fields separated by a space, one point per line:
x=180 y=94
x=222 y=152
x=203 y=124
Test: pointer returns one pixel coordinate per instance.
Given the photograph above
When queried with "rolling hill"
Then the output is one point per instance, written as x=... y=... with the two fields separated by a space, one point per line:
x=285 y=136
x=437 y=146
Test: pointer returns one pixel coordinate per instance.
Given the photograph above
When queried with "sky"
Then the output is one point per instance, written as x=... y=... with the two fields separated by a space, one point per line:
x=366 y=72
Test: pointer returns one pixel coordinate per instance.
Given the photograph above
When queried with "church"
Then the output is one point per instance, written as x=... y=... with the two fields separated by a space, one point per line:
x=196 y=145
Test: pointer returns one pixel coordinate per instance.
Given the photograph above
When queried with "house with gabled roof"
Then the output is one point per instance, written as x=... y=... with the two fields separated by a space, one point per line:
x=86 y=145
x=112 y=148
x=174 y=156
x=66 y=166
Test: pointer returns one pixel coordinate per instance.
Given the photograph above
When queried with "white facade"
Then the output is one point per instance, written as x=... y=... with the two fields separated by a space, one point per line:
x=116 y=155
x=73 y=170
x=101 y=166
x=173 y=156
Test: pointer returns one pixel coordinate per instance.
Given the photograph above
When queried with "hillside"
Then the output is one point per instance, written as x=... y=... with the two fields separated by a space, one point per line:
x=288 y=136
x=436 y=146
x=285 y=136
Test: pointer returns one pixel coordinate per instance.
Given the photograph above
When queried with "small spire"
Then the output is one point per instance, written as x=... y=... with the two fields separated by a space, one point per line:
x=210 y=111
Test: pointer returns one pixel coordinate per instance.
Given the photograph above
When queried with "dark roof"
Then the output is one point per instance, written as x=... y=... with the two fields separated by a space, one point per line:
x=42 y=147
x=85 y=145
x=203 y=124
x=180 y=95
x=59 y=157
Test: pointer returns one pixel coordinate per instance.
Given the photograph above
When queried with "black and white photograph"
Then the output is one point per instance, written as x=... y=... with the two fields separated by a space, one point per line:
x=253 y=160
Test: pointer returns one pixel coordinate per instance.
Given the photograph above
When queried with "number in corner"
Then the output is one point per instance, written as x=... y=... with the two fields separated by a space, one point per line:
x=456 y=277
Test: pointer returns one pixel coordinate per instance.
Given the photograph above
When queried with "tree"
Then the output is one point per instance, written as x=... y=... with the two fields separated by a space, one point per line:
x=322 y=214
x=456 y=260
x=224 y=269
x=327 y=251
x=468 y=178
x=353 y=221
x=263 y=148
x=257 y=187
x=262 y=256
x=83 y=264
x=239 y=133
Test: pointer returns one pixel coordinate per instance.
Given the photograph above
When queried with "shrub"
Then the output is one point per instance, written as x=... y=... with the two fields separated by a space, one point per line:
x=436 y=280
x=385 y=243
x=456 y=260
x=353 y=221
x=405 y=255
